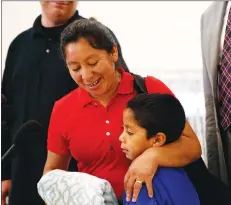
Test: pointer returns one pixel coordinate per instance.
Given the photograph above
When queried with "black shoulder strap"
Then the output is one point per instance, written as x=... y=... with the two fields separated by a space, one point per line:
x=139 y=84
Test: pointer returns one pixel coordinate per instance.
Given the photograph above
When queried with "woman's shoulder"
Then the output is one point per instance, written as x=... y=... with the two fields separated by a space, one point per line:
x=155 y=85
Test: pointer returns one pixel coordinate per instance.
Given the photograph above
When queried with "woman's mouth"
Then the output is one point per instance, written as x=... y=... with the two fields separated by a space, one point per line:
x=94 y=84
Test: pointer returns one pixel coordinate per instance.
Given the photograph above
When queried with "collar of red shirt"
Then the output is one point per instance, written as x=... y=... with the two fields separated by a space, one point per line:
x=125 y=87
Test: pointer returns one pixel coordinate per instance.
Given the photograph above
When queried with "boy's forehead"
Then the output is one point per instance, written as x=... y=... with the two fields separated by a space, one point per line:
x=128 y=117
x=128 y=113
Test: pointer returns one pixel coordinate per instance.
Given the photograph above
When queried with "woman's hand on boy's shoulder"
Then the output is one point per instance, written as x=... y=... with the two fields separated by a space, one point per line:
x=140 y=171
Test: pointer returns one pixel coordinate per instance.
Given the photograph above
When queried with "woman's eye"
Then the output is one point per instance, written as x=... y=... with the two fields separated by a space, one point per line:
x=76 y=69
x=93 y=64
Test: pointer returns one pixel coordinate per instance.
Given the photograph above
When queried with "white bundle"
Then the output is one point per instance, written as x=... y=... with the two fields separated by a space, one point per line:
x=60 y=187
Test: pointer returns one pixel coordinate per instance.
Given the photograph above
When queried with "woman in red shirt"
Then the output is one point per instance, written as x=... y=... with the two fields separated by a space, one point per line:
x=87 y=123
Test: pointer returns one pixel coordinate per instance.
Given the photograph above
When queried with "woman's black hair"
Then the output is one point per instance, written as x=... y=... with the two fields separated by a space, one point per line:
x=97 y=35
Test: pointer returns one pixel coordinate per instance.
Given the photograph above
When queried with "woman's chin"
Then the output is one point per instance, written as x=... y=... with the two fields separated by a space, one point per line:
x=95 y=94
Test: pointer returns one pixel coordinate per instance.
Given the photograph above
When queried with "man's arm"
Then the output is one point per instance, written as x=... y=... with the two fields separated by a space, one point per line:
x=7 y=92
x=6 y=138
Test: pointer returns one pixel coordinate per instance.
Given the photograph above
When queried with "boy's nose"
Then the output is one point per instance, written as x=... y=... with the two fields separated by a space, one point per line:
x=121 y=138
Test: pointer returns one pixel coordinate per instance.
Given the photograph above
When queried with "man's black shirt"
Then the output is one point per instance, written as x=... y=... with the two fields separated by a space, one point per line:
x=35 y=77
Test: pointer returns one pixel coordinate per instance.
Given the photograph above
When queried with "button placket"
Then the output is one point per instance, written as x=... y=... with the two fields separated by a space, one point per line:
x=108 y=134
x=48 y=49
x=107 y=122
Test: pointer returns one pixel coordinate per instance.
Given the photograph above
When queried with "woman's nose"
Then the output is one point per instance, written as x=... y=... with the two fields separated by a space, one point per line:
x=87 y=74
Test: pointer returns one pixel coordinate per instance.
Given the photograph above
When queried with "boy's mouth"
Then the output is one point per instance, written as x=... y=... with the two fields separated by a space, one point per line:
x=124 y=149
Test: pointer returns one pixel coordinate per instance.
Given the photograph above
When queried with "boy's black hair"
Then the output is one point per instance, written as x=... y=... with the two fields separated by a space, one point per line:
x=159 y=113
x=97 y=35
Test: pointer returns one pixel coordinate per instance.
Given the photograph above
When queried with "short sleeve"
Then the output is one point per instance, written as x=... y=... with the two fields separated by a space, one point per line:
x=155 y=85
x=57 y=141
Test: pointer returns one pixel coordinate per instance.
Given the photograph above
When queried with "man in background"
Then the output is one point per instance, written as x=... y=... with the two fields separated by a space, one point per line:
x=216 y=53
x=35 y=76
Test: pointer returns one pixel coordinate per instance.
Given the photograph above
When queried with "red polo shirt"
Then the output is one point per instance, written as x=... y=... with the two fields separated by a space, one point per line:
x=82 y=127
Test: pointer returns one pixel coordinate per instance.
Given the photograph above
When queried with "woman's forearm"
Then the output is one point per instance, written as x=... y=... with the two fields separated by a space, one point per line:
x=56 y=161
x=179 y=153
x=47 y=169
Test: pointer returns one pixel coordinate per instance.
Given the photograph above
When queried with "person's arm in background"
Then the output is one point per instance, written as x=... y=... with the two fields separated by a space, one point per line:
x=6 y=138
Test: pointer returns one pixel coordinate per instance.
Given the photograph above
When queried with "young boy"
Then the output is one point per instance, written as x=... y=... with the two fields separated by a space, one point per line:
x=153 y=120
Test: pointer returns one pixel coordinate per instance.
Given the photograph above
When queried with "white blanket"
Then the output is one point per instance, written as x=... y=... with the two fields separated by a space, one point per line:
x=60 y=187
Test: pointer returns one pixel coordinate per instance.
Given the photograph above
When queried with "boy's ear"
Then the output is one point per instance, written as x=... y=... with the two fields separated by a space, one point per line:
x=159 y=139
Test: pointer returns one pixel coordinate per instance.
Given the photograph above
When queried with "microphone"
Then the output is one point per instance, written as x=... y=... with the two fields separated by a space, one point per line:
x=29 y=134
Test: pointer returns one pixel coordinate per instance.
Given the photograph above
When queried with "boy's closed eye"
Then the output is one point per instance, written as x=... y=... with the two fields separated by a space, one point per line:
x=129 y=132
